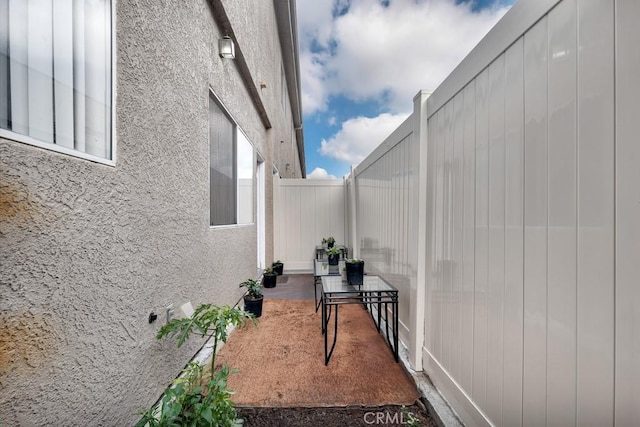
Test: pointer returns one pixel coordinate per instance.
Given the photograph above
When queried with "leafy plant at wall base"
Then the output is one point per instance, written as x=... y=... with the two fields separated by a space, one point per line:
x=269 y=278
x=278 y=267
x=410 y=419
x=192 y=401
x=253 y=299
x=185 y=404
x=253 y=288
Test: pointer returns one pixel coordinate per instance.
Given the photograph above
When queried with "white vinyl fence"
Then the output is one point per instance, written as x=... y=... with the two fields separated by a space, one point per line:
x=385 y=210
x=532 y=291
x=305 y=211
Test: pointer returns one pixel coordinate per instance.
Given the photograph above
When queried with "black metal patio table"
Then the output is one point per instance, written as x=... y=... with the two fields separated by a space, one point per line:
x=374 y=293
x=321 y=267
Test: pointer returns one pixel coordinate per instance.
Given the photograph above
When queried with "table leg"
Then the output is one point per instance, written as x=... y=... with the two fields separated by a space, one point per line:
x=335 y=338
x=385 y=316
x=395 y=327
x=379 y=312
x=315 y=292
x=363 y=298
x=328 y=309
x=324 y=327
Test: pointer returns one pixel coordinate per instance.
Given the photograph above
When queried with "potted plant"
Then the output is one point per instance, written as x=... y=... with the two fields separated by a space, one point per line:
x=355 y=271
x=278 y=267
x=324 y=243
x=253 y=298
x=330 y=242
x=197 y=398
x=334 y=255
x=269 y=278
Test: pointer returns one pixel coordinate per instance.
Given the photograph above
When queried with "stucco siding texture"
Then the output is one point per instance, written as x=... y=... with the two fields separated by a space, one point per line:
x=87 y=250
x=265 y=57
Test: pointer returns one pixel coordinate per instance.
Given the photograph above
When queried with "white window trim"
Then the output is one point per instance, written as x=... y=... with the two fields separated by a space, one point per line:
x=218 y=227
x=25 y=139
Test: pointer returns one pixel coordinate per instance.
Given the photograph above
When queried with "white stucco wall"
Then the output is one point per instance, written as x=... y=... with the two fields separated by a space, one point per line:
x=87 y=251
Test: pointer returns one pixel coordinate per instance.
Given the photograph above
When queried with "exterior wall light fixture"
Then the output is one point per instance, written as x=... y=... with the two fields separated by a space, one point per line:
x=226 y=48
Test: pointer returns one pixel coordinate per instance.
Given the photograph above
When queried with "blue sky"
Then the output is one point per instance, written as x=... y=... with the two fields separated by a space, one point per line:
x=362 y=61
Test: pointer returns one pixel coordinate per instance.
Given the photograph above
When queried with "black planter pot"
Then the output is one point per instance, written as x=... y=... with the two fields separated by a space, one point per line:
x=253 y=306
x=333 y=259
x=355 y=272
x=269 y=280
x=278 y=268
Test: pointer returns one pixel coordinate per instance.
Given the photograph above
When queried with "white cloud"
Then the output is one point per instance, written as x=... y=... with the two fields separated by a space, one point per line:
x=319 y=173
x=386 y=54
x=359 y=136
x=332 y=121
x=315 y=21
x=315 y=25
x=315 y=92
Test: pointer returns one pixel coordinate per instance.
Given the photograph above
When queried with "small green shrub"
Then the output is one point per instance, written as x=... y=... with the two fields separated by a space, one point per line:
x=253 y=288
x=411 y=420
x=192 y=400
x=333 y=251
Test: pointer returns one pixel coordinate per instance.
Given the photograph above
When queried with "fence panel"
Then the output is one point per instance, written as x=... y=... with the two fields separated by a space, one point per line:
x=306 y=211
x=385 y=183
x=520 y=262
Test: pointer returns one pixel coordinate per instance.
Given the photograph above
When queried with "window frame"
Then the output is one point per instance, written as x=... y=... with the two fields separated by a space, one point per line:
x=237 y=129
x=28 y=140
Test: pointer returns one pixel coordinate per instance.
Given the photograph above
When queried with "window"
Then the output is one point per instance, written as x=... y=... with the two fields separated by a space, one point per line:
x=245 y=180
x=231 y=173
x=55 y=75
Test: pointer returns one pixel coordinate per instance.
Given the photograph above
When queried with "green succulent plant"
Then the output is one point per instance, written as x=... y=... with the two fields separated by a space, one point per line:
x=333 y=251
x=253 y=288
